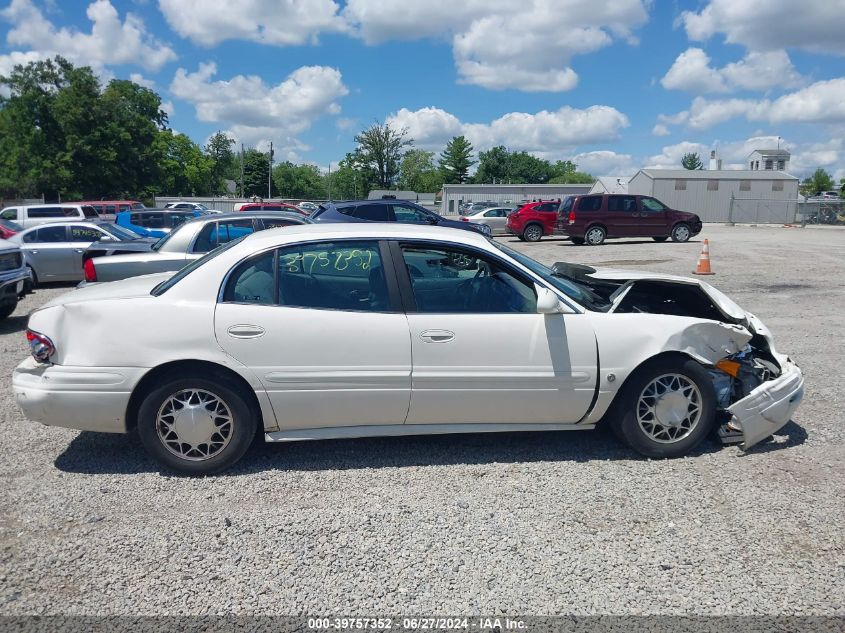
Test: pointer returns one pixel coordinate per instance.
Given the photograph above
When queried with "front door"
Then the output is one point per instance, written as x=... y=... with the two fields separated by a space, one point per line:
x=81 y=237
x=319 y=327
x=652 y=218
x=623 y=216
x=482 y=353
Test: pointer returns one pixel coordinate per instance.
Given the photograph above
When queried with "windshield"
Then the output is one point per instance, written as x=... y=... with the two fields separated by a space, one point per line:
x=571 y=288
x=119 y=232
x=166 y=285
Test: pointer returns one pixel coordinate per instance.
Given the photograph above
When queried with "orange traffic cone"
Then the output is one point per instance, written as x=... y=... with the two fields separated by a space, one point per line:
x=703 y=267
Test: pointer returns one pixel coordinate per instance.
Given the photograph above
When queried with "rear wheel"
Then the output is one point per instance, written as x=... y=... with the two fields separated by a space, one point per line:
x=662 y=238
x=7 y=309
x=578 y=241
x=196 y=426
x=666 y=409
x=533 y=233
x=680 y=232
x=595 y=235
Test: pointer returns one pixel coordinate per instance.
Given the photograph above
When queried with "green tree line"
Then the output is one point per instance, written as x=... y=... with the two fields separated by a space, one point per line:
x=64 y=135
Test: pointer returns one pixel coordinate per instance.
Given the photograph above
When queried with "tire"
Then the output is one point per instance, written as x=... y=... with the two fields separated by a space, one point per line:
x=6 y=310
x=578 y=241
x=228 y=442
x=595 y=235
x=532 y=233
x=32 y=284
x=681 y=232
x=662 y=432
x=662 y=238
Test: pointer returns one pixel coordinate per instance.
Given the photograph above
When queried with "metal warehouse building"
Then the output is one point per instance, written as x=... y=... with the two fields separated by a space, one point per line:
x=454 y=195
x=723 y=195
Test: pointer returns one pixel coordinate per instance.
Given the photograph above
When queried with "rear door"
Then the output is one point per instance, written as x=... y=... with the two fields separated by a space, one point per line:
x=623 y=216
x=48 y=251
x=323 y=331
x=80 y=238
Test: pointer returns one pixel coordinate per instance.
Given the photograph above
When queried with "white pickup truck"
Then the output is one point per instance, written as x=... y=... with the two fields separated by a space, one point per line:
x=13 y=275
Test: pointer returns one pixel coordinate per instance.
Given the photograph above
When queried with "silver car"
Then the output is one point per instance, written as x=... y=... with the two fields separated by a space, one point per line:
x=53 y=252
x=496 y=218
x=187 y=242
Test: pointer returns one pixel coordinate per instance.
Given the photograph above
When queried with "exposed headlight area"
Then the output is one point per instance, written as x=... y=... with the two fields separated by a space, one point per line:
x=40 y=346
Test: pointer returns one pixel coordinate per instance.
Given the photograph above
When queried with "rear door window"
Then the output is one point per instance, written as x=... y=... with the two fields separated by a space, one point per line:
x=548 y=206
x=214 y=234
x=622 y=204
x=590 y=203
x=85 y=234
x=371 y=212
x=50 y=235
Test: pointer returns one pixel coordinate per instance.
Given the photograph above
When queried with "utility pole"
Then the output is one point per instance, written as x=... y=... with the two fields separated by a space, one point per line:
x=270 y=171
x=242 y=170
x=330 y=180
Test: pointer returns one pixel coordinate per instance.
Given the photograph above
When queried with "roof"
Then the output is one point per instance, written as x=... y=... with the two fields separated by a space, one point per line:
x=721 y=174
x=520 y=185
x=771 y=152
x=360 y=230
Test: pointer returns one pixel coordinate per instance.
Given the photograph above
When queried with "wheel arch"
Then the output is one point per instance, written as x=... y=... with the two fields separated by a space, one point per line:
x=178 y=368
x=536 y=223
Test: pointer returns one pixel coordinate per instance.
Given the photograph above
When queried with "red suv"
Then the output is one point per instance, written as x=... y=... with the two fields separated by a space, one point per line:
x=533 y=220
x=592 y=219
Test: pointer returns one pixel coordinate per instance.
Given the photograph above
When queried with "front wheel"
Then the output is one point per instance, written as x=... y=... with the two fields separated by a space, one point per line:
x=595 y=235
x=680 y=232
x=533 y=233
x=196 y=426
x=666 y=409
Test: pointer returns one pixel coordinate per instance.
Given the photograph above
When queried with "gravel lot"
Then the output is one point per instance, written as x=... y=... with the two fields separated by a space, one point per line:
x=521 y=523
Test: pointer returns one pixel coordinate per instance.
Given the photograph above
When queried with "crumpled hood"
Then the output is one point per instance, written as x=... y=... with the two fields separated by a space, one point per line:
x=123 y=289
x=722 y=301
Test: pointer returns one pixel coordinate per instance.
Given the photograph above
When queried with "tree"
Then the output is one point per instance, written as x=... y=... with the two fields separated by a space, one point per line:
x=381 y=147
x=818 y=182
x=256 y=170
x=493 y=165
x=298 y=181
x=351 y=180
x=692 y=161
x=417 y=172
x=456 y=160
x=219 y=150
x=184 y=170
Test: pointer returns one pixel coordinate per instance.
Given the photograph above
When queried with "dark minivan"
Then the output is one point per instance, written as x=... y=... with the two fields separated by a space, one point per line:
x=590 y=219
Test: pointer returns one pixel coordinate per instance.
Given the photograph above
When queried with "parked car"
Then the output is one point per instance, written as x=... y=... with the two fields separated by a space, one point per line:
x=196 y=206
x=533 y=220
x=496 y=218
x=366 y=329
x=591 y=219
x=53 y=252
x=826 y=195
x=33 y=215
x=187 y=243
x=271 y=206
x=308 y=207
x=387 y=210
x=8 y=229
x=111 y=207
x=155 y=222
x=13 y=277
x=473 y=207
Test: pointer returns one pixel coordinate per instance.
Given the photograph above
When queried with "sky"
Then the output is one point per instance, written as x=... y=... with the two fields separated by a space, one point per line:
x=614 y=85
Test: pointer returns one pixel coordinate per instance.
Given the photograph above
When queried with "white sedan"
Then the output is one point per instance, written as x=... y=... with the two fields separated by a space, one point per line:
x=356 y=330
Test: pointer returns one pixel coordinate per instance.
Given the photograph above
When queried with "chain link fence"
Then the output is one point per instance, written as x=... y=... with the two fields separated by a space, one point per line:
x=803 y=212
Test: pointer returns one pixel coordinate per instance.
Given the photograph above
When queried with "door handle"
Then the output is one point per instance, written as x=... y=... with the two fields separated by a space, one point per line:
x=79 y=250
x=34 y=252
x=437 y=336
x=245 y=331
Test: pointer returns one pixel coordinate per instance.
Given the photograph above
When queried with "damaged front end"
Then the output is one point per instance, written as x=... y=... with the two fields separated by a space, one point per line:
x=757 y=389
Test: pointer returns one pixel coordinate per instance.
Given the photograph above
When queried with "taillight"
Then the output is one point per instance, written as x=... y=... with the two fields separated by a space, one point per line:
x=464 y=219
x=90 y=271
x=572 y=217
x=40 y=346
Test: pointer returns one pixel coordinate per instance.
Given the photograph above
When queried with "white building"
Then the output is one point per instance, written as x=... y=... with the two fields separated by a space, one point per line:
x=610 y=184
x=769 y=160
x=725 y=195
x=506 y=195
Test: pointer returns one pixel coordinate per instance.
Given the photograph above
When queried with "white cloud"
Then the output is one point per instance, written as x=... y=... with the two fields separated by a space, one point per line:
x=692 y=72
x=16 y=58
x=811 y=25
x=109 y=42
x=502 y=44
x=256 y=111
x=277 y=22
x=660 y=130
x=670 y=157
x=139 y=79
x=821 y=102
x=605 y=163
x=543 y=132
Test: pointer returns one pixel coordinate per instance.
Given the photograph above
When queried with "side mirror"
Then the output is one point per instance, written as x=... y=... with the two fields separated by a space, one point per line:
x=547 y=301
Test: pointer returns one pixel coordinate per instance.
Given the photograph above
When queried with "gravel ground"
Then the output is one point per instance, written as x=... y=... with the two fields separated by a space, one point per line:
x=548 y=523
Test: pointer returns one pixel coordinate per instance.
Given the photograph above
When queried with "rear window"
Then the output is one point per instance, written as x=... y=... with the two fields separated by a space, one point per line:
x=187 y=270
x=589 y=203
